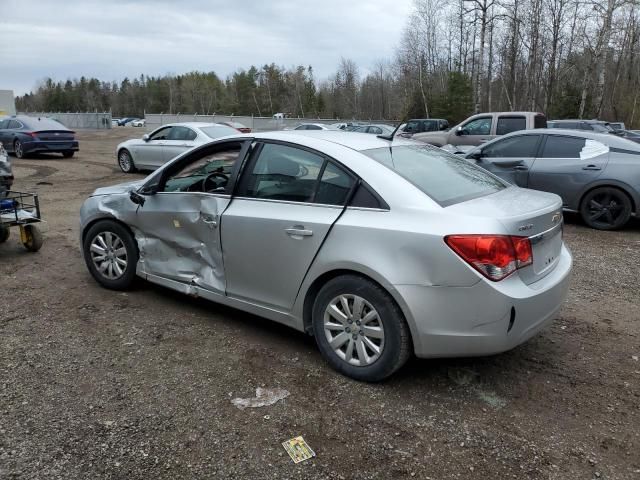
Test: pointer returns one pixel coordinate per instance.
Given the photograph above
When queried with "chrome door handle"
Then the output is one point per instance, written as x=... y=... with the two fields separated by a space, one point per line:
x=298 y=232
x=591 y=167
x=209 y=220
x=521 y=167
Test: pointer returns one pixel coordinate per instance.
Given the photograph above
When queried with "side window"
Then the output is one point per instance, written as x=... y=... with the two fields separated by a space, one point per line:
x=519 y=146
x=313 y=127
x=376 y=130
x=365 y=198
x=4 y=124
x=282 y=172
x=557 y=146
x=585 y=126
x=181 y=133
x=207 y=171
x=412 y=127
x=162 y=134
x=14 y=124
x=510 y=124
x=479 y=126
x=191 y=135
x=334 y=186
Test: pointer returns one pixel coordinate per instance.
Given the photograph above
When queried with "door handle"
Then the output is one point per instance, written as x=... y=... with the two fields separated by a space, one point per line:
x=298 y=231
x=521 y=167
x=209 y=220
x=591 y=167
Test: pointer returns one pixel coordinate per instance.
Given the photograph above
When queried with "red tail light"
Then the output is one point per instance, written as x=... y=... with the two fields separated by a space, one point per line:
x=494 y=256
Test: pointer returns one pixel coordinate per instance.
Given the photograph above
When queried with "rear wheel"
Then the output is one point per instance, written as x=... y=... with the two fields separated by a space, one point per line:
x=5 y=233
x=125 y=162
x=68 y=154
x=111 y=254
x=17 y=149
x=359 y=329
x=606 y=208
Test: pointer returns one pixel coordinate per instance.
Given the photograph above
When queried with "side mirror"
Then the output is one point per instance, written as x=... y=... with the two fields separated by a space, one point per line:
x=145 y=137
x=461 y=131
x=477 y=155
x=136 y=198
x=444 y=127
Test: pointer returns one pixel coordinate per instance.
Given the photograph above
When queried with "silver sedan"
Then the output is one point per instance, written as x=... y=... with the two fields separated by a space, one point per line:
x=165 y=143
x=379 y=249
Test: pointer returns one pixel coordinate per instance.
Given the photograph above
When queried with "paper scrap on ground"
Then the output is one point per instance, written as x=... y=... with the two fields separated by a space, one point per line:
x=264 y=397
x=298 y=449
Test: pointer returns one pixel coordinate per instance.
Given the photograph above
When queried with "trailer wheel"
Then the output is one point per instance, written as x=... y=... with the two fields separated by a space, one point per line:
x=31 y=238
x=4 y=234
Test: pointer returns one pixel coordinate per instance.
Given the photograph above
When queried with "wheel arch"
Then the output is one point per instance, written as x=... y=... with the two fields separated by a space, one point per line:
x=93 y=221
x=314 y=288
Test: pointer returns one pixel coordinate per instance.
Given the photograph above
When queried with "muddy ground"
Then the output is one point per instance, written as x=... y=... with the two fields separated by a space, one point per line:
x=138 y=385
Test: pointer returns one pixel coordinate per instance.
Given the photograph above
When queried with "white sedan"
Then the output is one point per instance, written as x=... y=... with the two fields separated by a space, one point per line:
x=165 y=143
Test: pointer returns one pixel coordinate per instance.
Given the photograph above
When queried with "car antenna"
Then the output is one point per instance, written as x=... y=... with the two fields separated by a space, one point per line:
x=393 y=134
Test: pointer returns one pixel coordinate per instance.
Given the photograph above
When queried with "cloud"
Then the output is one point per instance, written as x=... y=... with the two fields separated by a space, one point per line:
x=113 y=39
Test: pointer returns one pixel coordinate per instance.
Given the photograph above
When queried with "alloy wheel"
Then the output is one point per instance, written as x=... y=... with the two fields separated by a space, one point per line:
x=354 y=330
x=605 y=208
x=17 y=148
x=124 y=160
x=109 y=255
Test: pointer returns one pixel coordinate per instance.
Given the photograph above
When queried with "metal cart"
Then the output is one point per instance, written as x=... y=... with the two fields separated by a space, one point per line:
x=22 y=210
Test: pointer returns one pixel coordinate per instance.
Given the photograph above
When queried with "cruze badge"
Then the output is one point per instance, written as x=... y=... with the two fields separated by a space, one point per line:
x=556 y=217
x=525 y=227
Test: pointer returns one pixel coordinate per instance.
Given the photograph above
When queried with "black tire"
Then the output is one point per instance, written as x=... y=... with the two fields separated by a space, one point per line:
x=68 y=154
x=606 y=208
x=128 y=276
x=5 y=233
x=17 y=149
x=397 y=339
x=125 y=162
x=34 y=239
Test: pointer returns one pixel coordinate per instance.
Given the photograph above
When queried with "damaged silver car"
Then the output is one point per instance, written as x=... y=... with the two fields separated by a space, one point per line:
x=6 y=174
x=379 y=249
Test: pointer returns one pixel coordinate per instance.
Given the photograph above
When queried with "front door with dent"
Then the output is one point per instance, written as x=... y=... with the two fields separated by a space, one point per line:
x=180 y=224
x=287 y=200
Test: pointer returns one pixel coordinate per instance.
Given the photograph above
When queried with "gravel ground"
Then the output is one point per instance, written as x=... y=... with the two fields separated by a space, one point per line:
x=138 y=385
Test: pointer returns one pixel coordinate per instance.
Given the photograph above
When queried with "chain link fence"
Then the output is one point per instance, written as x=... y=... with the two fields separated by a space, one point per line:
x=93 y=120
x=256 y=124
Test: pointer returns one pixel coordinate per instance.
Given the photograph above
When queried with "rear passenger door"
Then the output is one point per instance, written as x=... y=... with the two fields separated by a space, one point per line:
x=284 y=206
x=566 y=164
x=511 y=158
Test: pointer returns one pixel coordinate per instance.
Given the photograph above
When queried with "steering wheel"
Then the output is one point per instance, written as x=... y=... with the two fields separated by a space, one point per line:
x=209 y=179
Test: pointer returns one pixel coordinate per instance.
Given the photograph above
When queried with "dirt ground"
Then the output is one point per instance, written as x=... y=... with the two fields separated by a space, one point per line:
x=138 y=385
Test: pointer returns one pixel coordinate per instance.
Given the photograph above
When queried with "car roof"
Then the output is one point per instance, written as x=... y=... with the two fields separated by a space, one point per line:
x=352 y=140
x=195 y=124
x=39 y=123
x=608 y=139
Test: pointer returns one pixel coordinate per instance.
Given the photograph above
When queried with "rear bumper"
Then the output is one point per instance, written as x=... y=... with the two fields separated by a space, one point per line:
x=50 y=146
x=471 y=321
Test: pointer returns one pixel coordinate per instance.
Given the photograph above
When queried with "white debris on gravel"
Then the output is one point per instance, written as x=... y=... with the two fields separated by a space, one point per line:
x=264 y=397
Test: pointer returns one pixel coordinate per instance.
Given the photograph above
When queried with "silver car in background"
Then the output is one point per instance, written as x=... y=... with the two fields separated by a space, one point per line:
x=165 y=143
x=379 y=249
x=595 y=174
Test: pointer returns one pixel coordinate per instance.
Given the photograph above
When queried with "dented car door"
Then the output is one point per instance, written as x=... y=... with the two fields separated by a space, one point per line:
x=178 y=225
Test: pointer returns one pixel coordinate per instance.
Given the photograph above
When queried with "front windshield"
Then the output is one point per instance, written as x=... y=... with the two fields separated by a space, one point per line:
x=215 y=168
x=445 y=178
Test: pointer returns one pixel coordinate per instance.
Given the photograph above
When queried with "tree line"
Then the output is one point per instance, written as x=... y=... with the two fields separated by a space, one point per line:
x=566 y=58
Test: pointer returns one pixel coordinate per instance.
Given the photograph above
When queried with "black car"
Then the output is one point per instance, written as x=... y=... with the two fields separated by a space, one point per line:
x=419 y=125
x=22 y=135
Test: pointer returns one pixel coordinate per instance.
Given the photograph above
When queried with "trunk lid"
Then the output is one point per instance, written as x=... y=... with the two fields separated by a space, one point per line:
x=524 y=213
x=54 y=135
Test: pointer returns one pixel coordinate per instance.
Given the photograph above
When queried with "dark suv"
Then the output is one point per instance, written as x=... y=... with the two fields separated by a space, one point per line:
x=419 y=125
x=590 y=125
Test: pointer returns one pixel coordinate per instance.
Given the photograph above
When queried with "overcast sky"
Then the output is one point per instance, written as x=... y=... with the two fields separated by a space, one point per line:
x=111 y=39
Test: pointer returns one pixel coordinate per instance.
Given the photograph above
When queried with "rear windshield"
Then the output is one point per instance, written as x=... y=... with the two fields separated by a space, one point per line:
x=445 y=178
x=42 y=123
x=218 y=131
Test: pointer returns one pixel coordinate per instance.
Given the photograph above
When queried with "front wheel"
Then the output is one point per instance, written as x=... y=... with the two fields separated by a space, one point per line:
x=111 y=254
x=32 y=238
x=359 y=329
x=606 y=208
